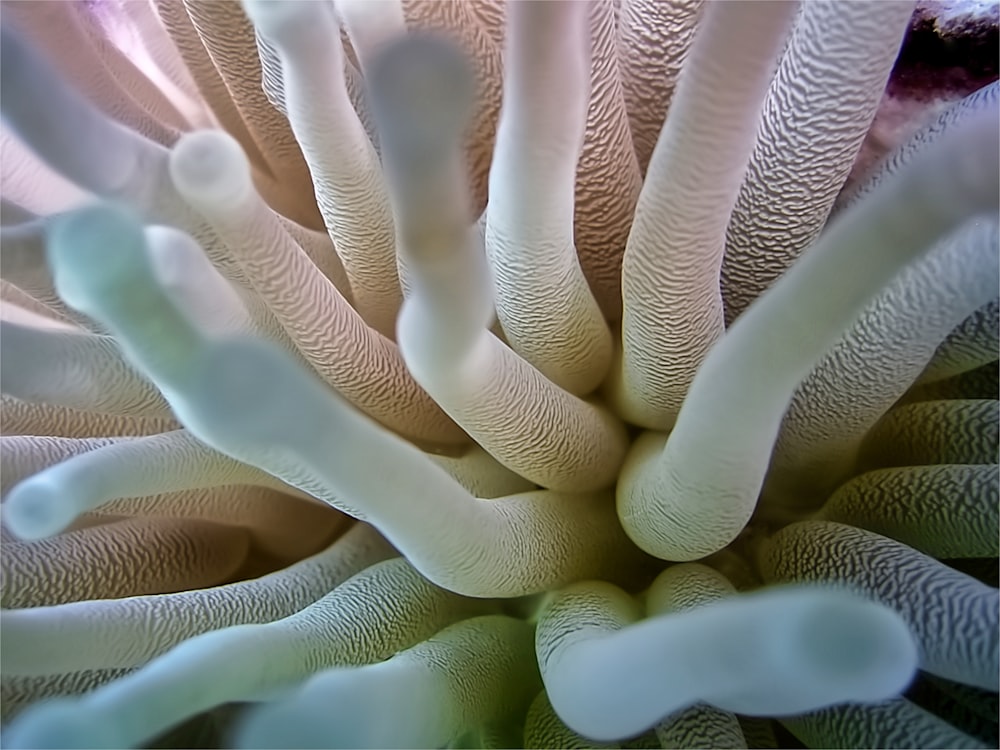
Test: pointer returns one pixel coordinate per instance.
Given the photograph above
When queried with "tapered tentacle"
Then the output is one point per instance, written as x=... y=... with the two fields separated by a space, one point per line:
x=228 y=39
x=91 y=150
x=529 y=219
x=670 y=271
x=735 y=654
x=960 y=431
x=283 y=525
x=679 y=505
x=48 y=502
x=378 y=612
x=226 y=393
x=567 y=444
x=895 y=723
x=881 y=355
x=973 y=343
x=679 y=589
x=121 y=633
x=342 y=162
x=953 y=617
x=210 y=171
x=24 y=455
x=24 y=418
x=475 y=671
x=842 y=55
x=120 y=559
x=653 y=42
x=947 y=511
x=72 y=39
x=457 y=22
x=75 y=369
x=608 y=178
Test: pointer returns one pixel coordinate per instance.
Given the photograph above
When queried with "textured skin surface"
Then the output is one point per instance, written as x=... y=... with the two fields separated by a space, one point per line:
x=882 y=354
x=376 y=613
x=129 y=632
x=376 y=380
x=678 y=589
x=529 y=220
x=653 y=40
x=945 y=511
x=228 y=47
x=960 y=112
x=77 y=370
x=954 y=618
x=817 y=112
x=178 y=324
x=544 y=729
x=670 y=270
x=608 y=179
x=23 y=418
x=281 y=526
x=20 y=692
x=974 y=342
x=960 y=431
x=476 y=671
x=893 y=724
x=980 y=383
x=120 y=559
x=342 y=162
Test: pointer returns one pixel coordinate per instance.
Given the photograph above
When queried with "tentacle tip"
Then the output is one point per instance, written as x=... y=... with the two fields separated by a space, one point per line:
x=93 y=250
x=209 y=168
x=279 y=18
x=35 y=510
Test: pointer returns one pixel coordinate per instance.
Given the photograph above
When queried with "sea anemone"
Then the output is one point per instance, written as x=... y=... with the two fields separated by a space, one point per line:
x=385 y=373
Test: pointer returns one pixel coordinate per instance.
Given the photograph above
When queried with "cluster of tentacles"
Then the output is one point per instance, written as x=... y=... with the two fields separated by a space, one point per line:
x=365 y=388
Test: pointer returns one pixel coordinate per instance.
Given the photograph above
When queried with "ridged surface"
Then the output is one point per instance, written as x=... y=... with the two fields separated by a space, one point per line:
x=944 y=511
x=23 y=418
x=820 y=106
x=960 y=431
x=653 y=40
x=893 y=724
x=128 y=632
x=881 y=355
x=954 y=617
x=974 y=342
x=120 y=559
x=672 y=309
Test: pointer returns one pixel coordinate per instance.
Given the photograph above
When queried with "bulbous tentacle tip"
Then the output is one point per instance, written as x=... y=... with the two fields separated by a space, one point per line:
x=861 y=649
x=283 y=20
x=37 y=509
x=93 y=252
x=60 y=723
x=209 y=168
x=422 y=94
